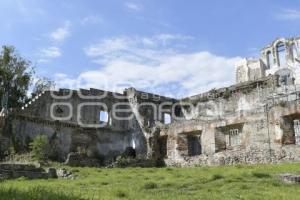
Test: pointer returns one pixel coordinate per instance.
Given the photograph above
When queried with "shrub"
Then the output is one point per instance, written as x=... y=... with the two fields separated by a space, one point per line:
x=169 y=184
x=150 y=185
x=282 y=103
x=169 y=169
x=134 y=162
x=40 y=148
x=239 y=166
x=217 y=177
x=81 y=151
x=121 y=194
x=75 y=170
x=122 y=162
x=245 y=187
x=261 y=175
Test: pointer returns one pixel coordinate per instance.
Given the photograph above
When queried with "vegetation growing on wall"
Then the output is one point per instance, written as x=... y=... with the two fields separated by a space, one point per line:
x=40 y=148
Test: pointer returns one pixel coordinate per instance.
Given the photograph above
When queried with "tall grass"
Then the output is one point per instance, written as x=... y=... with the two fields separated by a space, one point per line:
x=35 y=193
x=257 y=182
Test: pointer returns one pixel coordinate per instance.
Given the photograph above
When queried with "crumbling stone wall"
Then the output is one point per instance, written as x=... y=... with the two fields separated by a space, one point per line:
x=71 y=121
x=148 y=110
x=266 y=130
x=65 y=138
x=271 y=61
x=13 y=171
x=76 y=107
x=249 y=122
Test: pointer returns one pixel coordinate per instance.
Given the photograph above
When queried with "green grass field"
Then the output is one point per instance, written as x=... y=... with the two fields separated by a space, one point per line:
x=230 y=182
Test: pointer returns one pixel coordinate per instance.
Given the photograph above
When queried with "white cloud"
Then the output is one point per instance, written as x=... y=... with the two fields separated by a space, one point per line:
x=57 y=38
x=165 y=38
x=61 y=33
x=133 y=6
x=107 y=46
x=92 y=19
x=153 y=67
x=51 y=52
x=46 y=54
x=134 y=48
x=288 y=14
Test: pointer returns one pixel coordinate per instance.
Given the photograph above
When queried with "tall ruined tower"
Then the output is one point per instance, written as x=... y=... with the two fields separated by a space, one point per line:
x=281 y=57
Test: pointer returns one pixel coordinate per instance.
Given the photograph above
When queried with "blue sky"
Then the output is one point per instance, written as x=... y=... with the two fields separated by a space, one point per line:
x=170 y=47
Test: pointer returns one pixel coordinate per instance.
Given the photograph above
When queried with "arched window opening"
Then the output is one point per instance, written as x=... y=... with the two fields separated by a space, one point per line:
x=281 y=52
x=270 y=60
x=133 y=144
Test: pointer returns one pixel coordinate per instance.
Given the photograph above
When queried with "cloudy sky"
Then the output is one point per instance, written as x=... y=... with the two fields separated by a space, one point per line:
x=171 y=47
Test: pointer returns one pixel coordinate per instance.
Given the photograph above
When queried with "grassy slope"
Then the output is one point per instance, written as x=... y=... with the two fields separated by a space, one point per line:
x=230 y=182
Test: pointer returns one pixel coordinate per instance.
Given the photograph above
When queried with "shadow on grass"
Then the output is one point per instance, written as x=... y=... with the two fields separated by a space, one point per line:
x=261 y=175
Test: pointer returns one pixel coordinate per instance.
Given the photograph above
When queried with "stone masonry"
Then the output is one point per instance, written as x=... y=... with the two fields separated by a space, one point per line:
x=257 y=120
x=12 y=171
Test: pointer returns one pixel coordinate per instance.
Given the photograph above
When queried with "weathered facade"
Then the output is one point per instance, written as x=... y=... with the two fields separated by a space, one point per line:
x=254 y=121
x=85 y=120
x=257 y=120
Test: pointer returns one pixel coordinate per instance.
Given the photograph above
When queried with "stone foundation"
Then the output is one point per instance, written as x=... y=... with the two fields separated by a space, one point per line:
x=289 y=178
x=254 y=156
x=13 y=171
x=78 y=160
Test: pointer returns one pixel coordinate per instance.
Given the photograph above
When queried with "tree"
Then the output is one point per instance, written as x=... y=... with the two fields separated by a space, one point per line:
x=40 y=148
x=15 y=78
x=16 y=74
x=43 y=84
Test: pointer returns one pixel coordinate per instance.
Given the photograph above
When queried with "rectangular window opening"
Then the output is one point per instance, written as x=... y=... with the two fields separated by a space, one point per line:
x=103 y=116
x=162 y=141
x=167 y=118
x=297 y=131
x=295 y=52
x=228 y=137
x=234 y=138
x=291 y=130
x=281 y=52
x=270 y=60
x=194 y=145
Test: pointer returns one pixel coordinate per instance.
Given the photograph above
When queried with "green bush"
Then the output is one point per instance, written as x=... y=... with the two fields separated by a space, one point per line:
x=261 y=175
x=135 y=162
x=40 y=148
x=121 y=194
x=150 y=185
x=124 y=162
x=217 y=177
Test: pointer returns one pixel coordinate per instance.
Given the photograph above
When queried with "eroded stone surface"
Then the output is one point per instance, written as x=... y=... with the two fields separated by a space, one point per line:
x=13 y=171
x=77 y=160
x=65 y=174
x=256 y=120
x=289 y=178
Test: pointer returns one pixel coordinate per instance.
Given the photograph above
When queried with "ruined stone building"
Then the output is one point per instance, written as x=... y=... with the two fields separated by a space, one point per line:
x=257 y=120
